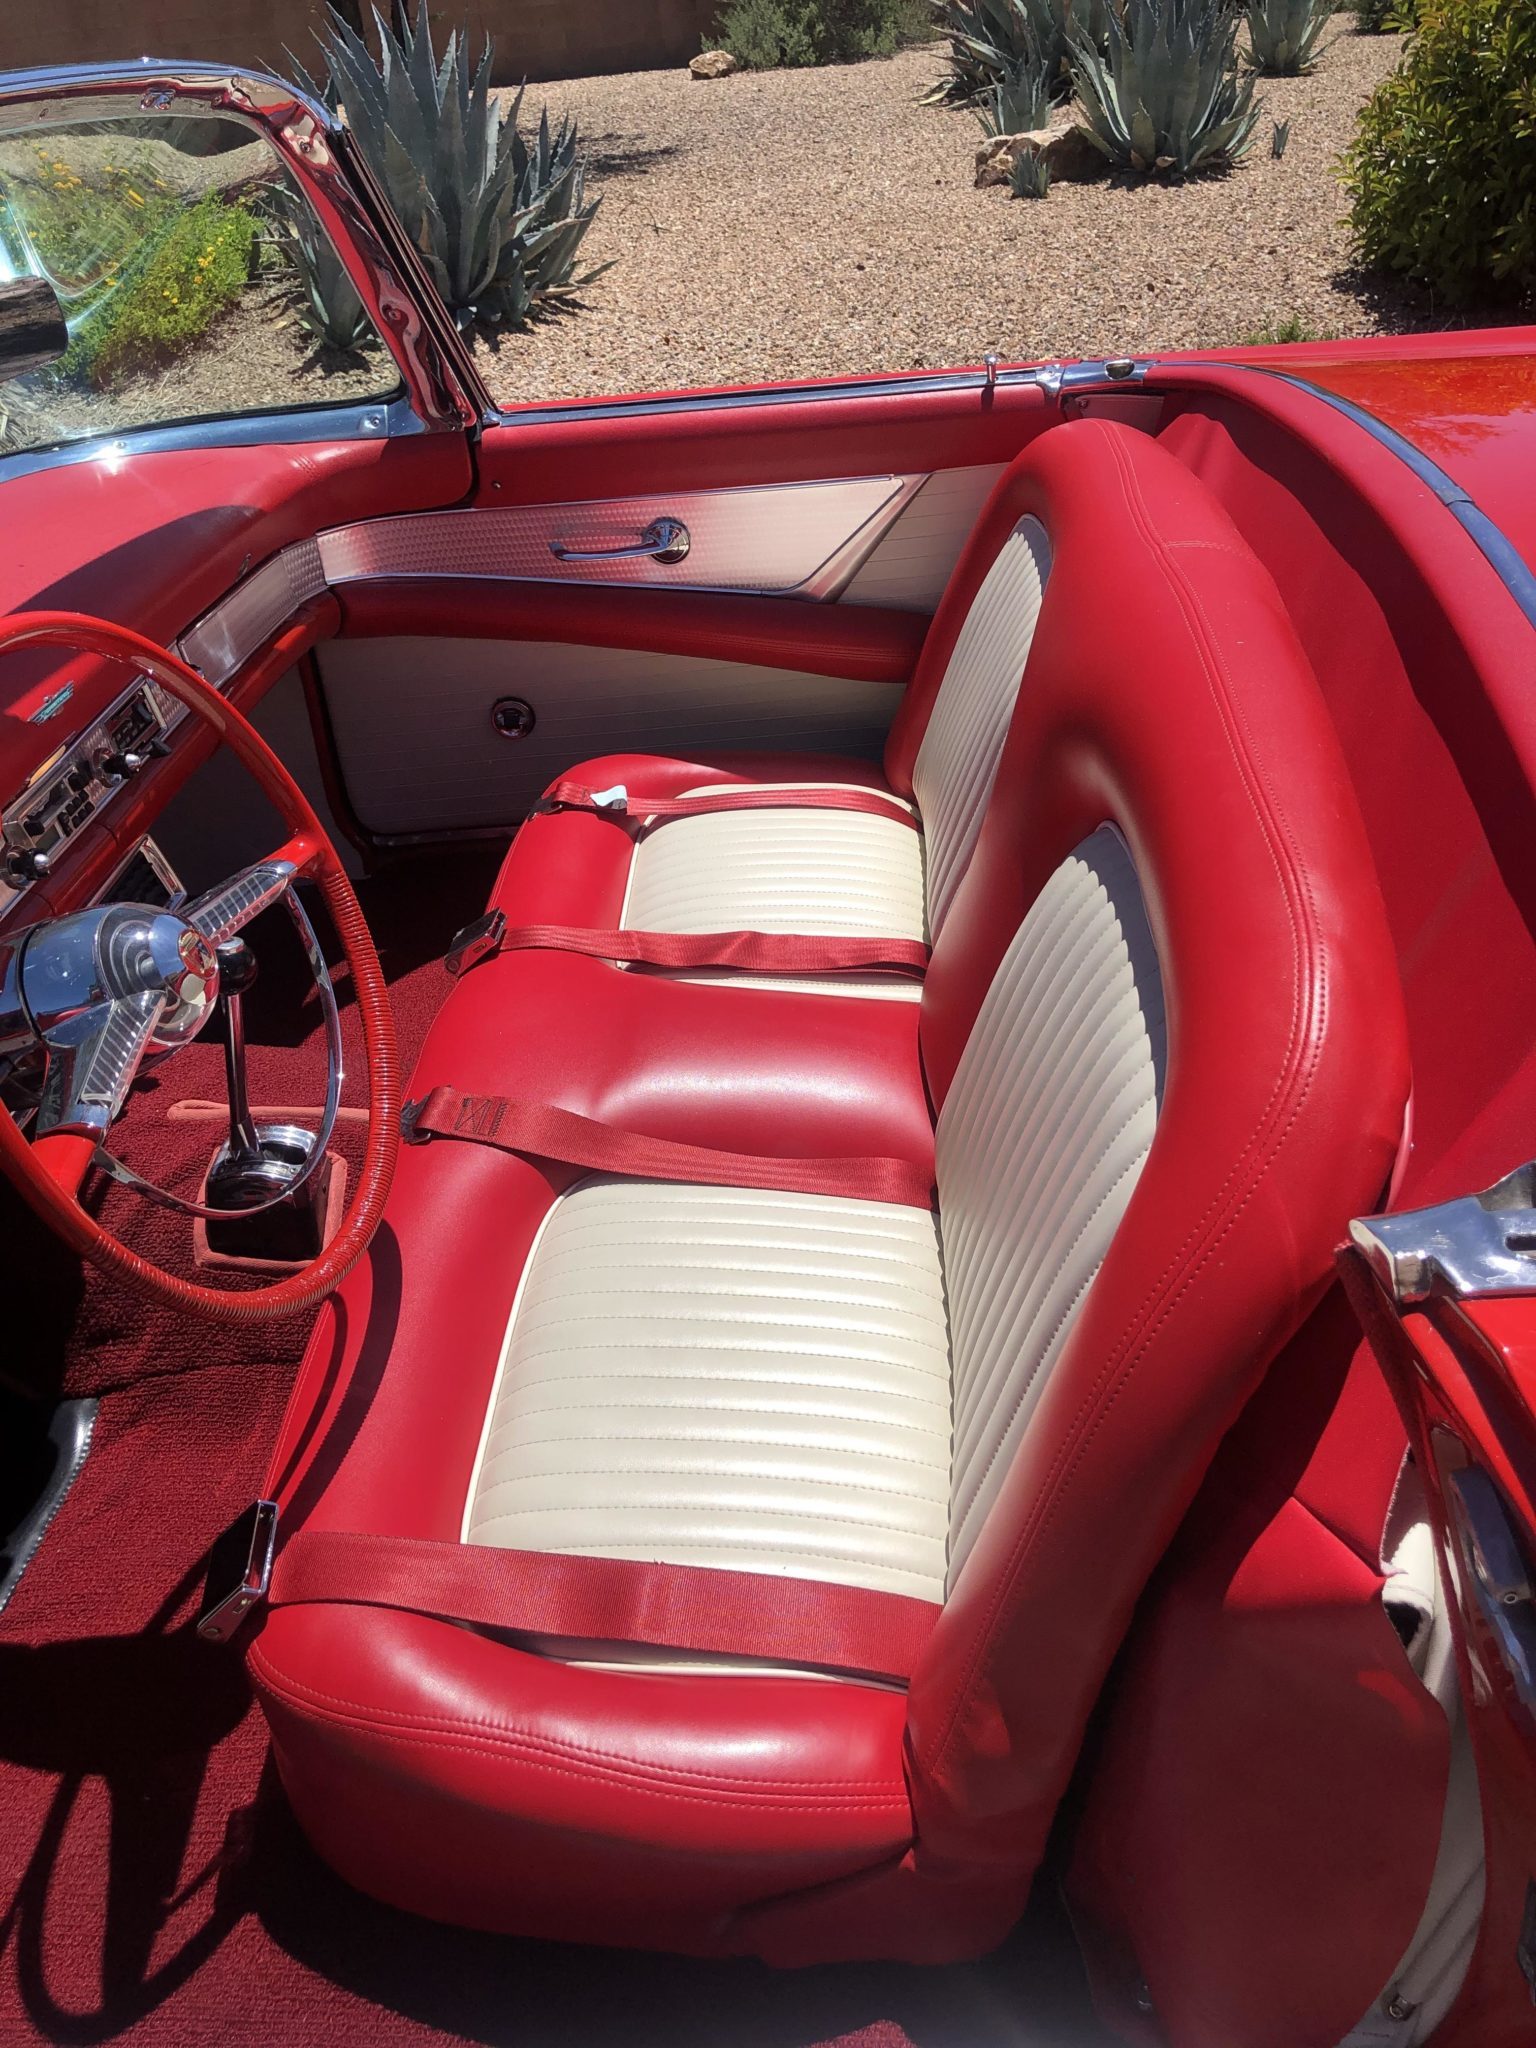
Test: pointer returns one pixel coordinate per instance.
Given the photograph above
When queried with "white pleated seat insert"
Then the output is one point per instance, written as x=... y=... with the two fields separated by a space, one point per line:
x=815 y=872
x=1039 y=1146
x=715 y=1376
x=828 y=872
x=807 y=1385
x=957 y=762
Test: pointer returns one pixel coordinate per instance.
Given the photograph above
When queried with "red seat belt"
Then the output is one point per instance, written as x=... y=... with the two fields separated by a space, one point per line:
x=762 y=1616
x=536 y=1130
x=747 y=952
x=566 y=795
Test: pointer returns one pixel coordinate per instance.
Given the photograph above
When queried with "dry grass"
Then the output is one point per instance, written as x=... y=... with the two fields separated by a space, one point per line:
x=811 y=223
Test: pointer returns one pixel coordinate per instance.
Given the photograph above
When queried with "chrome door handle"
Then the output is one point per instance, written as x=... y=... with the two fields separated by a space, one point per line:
x=664 y=540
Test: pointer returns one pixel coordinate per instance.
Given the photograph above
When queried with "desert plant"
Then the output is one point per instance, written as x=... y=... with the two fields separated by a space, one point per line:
x=1283 y=34
x=768 y=35
x=166 y=298
x=1440 y=172
x=1029 y=175
x=323 y=295
x=1385 y=17
x=1279 y=139
x=1276 y=331
x=498 y=220
x=1167 y=95
x=989 y=39
x=1017 y=102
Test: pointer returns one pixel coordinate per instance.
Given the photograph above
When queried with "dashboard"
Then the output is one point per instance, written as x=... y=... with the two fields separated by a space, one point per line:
x=65 y=793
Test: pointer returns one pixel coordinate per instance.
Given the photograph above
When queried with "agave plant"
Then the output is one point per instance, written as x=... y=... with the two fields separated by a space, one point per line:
x=1283 y=34
x=324 y=296
x=1167 y=95
x=1018 y=101
x=989 y=40
x=1029 y=175
x=497 y=220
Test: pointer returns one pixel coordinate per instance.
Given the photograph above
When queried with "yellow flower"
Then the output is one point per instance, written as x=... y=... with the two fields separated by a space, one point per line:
x=134 y=196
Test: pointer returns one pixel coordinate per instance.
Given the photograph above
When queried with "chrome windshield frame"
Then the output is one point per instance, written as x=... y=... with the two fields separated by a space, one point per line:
x=440 y=383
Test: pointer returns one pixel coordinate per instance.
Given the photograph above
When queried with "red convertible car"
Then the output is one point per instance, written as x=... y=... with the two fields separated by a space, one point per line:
x=768 y=1269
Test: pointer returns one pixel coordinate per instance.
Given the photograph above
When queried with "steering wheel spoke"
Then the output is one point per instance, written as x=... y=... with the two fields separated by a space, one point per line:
x=231 y=906
x=92 y=1061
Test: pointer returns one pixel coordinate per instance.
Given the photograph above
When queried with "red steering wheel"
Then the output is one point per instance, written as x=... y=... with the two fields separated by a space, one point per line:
x=50 y=1170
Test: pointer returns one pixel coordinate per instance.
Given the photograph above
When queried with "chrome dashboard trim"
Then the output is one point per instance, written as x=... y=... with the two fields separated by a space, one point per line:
x=240 y=625
x=374 y=420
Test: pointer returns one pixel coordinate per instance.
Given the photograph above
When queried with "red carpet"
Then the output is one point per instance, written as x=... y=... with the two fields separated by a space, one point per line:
x=153 y=1887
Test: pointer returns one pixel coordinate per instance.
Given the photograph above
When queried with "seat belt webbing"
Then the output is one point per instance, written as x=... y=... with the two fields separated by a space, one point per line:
x=566 y=795
x=763 y=1616
x=534 y=1129
x=746 y=952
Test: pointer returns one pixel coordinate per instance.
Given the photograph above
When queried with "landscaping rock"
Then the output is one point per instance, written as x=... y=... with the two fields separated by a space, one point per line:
x=1065 y=145
x=714 y=64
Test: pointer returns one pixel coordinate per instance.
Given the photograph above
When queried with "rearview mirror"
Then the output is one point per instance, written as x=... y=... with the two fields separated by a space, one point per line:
x=32 y=327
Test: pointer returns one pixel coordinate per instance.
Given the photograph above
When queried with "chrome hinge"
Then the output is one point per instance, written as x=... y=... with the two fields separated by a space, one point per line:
x=1476 y=1245
x=1060 y=381
x=239 y=1572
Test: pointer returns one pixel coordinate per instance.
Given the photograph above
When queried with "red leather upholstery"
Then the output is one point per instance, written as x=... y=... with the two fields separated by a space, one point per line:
x=800 y=1820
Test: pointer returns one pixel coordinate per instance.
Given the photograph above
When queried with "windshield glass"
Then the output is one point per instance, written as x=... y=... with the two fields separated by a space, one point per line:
x=189 y=268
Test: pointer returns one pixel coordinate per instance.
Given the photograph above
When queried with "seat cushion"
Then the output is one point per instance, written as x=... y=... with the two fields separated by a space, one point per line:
x=714 y=1376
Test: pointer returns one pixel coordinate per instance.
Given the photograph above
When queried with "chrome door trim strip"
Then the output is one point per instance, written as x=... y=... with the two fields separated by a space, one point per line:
x=1054 y=379
x=1500 y=552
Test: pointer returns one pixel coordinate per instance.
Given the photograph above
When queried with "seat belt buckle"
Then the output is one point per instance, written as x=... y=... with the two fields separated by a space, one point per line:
x=239 y=1572
x=482 y=935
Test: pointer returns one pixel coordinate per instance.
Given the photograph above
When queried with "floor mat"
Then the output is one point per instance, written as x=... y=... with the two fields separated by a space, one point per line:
x=153 y=1886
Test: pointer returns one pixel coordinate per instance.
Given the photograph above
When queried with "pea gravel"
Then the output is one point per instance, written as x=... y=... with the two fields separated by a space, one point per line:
x=820 y=222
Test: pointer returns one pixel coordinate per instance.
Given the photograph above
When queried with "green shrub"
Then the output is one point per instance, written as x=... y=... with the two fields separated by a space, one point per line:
x=168 y=297
x=1385 y=17
x=496 y=219
x=991 y=39
x=769 y=35
x=1167 y=96
x=1283 y=34
x=1441 y=170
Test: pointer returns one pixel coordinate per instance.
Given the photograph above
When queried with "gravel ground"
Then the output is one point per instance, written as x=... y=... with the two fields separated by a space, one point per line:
x=810 y=223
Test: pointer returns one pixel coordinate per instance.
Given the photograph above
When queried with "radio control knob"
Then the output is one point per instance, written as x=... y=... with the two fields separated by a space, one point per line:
x=122 y=765
x=27 y=867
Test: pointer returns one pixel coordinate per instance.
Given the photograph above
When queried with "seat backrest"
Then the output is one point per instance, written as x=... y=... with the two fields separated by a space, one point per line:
x=1163 y=1032
x=955 y=714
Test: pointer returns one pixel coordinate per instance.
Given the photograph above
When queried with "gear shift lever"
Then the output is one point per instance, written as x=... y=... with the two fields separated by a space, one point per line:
x=237 y=973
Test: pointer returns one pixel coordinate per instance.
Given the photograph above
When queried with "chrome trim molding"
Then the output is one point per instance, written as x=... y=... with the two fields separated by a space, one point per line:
x=801 y=539
x=240 y=625
x=375 y=420
x=1505 y=559
x=1114 y=374
x=1474 y=1246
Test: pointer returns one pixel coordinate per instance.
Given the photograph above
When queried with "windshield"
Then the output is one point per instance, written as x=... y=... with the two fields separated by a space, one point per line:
x=192 y=274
